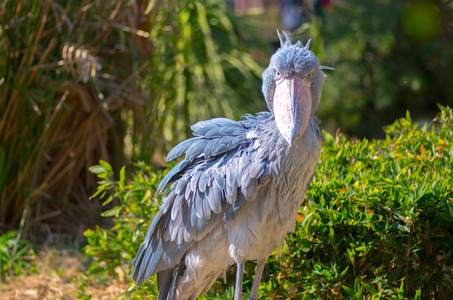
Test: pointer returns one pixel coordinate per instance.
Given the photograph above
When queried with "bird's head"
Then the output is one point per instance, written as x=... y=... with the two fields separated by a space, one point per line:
x=292 y=87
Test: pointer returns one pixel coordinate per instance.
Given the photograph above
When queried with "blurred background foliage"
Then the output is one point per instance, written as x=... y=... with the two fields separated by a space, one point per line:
x=389 y=56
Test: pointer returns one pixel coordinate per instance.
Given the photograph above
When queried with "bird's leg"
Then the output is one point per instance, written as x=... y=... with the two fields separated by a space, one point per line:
x=256 y=282
x=239 y=275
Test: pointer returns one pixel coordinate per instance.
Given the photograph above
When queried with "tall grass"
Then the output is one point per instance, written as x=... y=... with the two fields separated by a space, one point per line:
x=200 y=67
x=88 y=80
x=54 y=122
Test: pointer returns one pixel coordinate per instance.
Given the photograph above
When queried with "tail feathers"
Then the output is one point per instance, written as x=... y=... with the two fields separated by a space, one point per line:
x=146 y=261
x=156 y=254
x=166 y=281
x=149 y=255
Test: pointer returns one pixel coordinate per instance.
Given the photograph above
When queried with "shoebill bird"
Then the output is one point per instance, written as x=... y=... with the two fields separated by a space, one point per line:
x=239 y=188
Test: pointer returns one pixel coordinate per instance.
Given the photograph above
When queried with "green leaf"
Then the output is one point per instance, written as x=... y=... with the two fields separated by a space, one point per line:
x=146 y=197
x=370 y=288
x=394 y=275
x=408 y=116
x=421 y=189
x=446 y=216
x=344 y=271
x=122 y=181
x=348 y=290
x=137 y=232
x=418 y=294
x=112 y=212
x=99 y=190
x=401 y=291
x=97 y=169
x=106 y=166
x=109 y=199
x=332 y=235
x=396 y=167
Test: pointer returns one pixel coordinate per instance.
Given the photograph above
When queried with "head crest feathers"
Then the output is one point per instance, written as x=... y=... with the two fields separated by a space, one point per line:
x=307 y=45
x=286 y=42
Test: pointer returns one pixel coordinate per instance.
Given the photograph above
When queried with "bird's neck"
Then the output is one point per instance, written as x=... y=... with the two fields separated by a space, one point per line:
x=271 y=144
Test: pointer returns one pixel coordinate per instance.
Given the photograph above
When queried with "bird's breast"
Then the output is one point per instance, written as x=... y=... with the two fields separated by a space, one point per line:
x=261 y=225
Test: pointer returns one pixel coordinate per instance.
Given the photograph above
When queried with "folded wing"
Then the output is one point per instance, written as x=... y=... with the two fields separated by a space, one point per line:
x=221 y=170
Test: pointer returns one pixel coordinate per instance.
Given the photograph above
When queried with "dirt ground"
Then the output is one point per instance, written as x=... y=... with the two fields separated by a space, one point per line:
x=59 y=276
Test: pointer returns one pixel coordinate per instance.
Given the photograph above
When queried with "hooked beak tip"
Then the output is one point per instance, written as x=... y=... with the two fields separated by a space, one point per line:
x=292 y=137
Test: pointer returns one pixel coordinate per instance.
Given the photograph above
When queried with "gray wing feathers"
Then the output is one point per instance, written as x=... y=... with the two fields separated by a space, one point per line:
x=212 y=138
x=194 y=181
x=214 y=197
x=224 y=122
x=214 y=132
x=166 y=281
x=196 y=149
x=180 y=185
x=209 y=187
x=171 y=175
x=218 y=148
x=203 y=182
x=257 y=169
x=230 y=176
x=181 y=148
x=176 y=209
x=218 y=178
x=208 y=151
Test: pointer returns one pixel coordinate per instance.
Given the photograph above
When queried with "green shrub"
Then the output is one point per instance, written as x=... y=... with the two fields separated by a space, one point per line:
x=16 y=257
x=377 y=222
x=116 y=248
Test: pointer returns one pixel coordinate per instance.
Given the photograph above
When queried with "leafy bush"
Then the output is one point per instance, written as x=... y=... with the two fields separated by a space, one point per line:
x=115 y=249
x=377 y=222
x=15 y=256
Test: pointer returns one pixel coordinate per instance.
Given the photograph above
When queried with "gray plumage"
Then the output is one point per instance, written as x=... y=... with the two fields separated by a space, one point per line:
x=238 y=190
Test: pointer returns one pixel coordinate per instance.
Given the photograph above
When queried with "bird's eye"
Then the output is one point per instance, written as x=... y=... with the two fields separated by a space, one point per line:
x=309 y=75
x=278 y=74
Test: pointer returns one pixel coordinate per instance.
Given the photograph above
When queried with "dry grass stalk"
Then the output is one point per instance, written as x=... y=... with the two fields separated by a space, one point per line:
x=56 y=118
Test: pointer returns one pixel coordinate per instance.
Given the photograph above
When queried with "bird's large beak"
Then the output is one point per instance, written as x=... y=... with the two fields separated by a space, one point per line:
x=292 y=107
